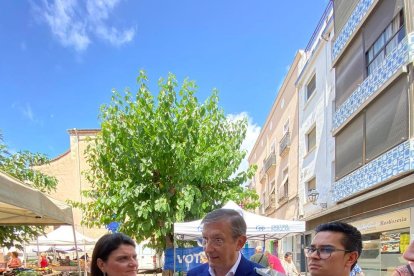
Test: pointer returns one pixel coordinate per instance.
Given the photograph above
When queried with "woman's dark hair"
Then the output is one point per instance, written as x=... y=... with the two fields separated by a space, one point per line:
x=104 y=247
x=287 y=254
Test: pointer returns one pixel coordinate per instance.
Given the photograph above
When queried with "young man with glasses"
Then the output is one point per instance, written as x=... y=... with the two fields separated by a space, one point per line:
x=334 y=250
x=224 y=234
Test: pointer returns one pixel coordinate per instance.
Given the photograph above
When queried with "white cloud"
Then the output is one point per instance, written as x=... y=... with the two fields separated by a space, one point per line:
x=253 y=131
x=75 y=23
x=27 y=112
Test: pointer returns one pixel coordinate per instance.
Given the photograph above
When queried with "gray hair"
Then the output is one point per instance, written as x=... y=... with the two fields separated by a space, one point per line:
x=238 y=225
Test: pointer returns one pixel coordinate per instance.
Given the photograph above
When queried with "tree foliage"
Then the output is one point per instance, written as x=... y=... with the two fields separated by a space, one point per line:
x=20 y=166
x=164 y=160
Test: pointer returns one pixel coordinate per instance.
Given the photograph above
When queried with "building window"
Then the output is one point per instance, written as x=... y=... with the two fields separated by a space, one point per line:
x=310 y=185
x=385 y=43
x=311 y=139
x=286 y=127
x=310 y=87
x=271 y=187
x=284 y=187
x=381 y=126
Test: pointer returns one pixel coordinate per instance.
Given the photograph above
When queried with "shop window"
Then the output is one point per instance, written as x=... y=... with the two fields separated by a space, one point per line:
x=381 y=251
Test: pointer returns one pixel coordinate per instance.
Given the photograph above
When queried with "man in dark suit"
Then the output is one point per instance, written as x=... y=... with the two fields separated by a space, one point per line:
x=224 y=234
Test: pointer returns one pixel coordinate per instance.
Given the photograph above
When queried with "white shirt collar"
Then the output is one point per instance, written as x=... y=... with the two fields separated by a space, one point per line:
x=232 y=271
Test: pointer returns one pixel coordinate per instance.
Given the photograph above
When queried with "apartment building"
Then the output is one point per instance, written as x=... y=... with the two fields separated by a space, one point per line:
x=315 y=86
x=275 y=153
x=68 y=168
x=373 y=180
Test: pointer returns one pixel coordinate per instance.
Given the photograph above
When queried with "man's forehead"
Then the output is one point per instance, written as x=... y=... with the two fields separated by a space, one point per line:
x=328 y=238
x=218 y=227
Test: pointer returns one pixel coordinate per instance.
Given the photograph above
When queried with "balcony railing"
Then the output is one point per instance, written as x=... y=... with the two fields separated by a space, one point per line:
x=392 y=163
x=399 y=57
x=269 y=162
x=284 y=143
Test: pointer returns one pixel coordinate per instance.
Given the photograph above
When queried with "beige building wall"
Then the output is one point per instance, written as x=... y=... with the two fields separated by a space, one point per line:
x=68 y=168
x=277 y=168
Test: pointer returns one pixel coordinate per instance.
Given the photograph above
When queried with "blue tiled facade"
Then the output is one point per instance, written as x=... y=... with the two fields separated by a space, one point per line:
x=394 y=162
x=351 y=25
x=400 y=56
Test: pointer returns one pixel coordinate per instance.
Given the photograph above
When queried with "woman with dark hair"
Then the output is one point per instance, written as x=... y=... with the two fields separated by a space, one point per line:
x=114 y=255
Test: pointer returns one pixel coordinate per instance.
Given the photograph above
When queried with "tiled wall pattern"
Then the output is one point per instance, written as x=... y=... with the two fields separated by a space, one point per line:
x=350 y=26
x=397 y=160
x=397 y=58
x=411 y=46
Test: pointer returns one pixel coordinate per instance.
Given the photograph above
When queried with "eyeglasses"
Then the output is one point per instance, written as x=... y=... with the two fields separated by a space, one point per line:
x=215 y=242
x=323 y=252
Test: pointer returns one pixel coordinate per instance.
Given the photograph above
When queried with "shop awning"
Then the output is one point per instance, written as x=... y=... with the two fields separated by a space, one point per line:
x=21 y=204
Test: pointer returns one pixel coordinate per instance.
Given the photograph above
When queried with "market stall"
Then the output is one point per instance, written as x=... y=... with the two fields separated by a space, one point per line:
x=258 y=227
x=21 y=204
x=62 y=239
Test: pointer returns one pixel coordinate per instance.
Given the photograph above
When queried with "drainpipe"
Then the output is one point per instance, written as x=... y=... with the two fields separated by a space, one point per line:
x=81 y=200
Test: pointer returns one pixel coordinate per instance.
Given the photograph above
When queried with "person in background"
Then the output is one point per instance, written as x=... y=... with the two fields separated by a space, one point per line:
x=14 y=261
x=259 y=257
x=84 y=257
x=114 y=255
x=275 y=263
x=335 y=249
x=224 y=234
x=43 y=261
x=408 y=269
x=65 y=261
x=288 y=265
x=356 y=271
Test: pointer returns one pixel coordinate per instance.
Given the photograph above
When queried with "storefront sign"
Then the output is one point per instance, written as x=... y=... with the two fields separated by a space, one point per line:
x=386 y=222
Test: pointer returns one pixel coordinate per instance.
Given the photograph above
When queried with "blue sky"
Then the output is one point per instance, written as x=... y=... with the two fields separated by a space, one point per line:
x=61 y=59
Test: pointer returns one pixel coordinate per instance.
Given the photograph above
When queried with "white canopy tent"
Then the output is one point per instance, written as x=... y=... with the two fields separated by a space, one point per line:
x=258 y=227
x=63 y=236
x=21 y=204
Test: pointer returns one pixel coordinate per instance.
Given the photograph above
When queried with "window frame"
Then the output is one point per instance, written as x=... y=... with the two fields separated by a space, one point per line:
x=308 y=148
x=284 y=184
x=310 y=180
x=309 y=93
x=383 y=50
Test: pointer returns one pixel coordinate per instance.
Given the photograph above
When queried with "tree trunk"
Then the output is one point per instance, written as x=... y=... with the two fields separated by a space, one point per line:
x=169 y=242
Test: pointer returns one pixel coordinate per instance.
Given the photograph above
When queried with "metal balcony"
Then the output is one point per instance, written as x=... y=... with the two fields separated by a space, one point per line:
x=269 y=162
x=284 y=144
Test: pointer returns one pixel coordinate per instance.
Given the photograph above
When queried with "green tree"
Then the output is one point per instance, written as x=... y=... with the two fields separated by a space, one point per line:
x=165 y=160
x=20 y=166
